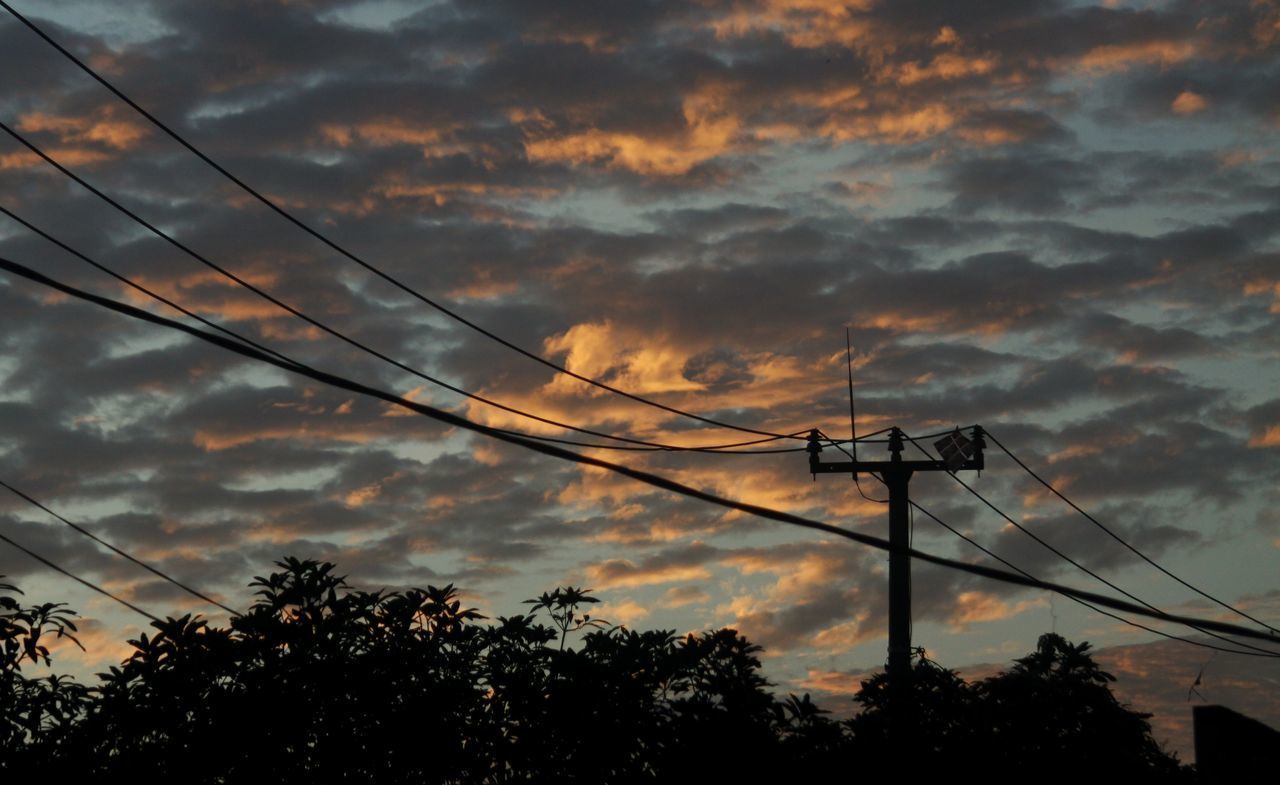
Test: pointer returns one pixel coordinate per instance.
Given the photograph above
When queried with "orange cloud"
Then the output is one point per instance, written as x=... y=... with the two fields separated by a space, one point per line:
x=603 y=350
x=68 y=156
x=834 y=682
x=1268 y=438
x=1096 y=445
x=1118 y=57
x=363 y=495
x=807 y=24
x=1188 y=102
x=1266 y=26
x=898 y=125
x=846 y=635
x=1263 y=287
x=976 y=606
x=390 y=132
x=102 y=128
x=622 y=574
x=626 y=612
x=629 y=528
x=102 y=646
x=209 y=293
x=213 y=441
x=485 y=284
x=946 y=66
x=710 y=131
x=441 y=194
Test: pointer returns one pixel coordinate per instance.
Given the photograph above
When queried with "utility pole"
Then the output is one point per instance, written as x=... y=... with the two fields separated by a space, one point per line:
x=958 y=453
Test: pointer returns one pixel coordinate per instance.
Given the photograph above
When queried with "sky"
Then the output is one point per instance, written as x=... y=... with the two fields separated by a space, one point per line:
x=1055 y=219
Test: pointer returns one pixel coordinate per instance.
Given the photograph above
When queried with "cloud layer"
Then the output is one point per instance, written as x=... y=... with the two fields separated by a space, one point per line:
x=1055 y=219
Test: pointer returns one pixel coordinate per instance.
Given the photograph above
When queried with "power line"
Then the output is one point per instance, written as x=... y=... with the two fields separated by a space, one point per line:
x=648 y=478
x=342 y=336
x=1088 y=605
x=1125 y=543
x=1064 y=556
x=358 y=260
x=120 y=552
x=724 y=449
x=139 y=287
x=80 y=580
x=853 y=456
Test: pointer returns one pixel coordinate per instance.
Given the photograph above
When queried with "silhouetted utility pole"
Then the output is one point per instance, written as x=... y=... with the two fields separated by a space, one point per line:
x=958 y=453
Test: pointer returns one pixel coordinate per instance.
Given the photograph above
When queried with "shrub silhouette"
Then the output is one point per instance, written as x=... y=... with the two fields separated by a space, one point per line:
x=321 y=683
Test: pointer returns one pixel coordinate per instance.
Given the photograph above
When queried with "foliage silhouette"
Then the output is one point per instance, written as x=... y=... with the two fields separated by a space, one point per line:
x=318 y=682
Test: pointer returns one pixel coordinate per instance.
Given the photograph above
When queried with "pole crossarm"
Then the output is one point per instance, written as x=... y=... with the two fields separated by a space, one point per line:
x=878 y=467
x=972 y=462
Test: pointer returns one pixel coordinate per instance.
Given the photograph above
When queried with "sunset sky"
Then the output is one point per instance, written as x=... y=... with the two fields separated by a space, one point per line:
x=1056 y=219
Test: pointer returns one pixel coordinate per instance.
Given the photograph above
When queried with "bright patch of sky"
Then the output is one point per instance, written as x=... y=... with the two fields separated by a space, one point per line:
x=119 y=24
x=378 y=14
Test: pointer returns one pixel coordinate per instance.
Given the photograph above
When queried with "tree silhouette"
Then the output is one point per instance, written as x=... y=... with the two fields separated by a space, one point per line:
x=318 y=682
x=1055 y=703
x=34 y=713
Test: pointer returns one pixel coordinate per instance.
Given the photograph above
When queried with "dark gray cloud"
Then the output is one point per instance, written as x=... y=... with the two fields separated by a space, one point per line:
x=1056 y=220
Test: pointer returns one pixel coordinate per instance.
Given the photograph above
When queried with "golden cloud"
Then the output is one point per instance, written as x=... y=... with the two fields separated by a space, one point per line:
x=1269 y=437
x=976 y=606
x=1188 y=102
x=67 y=156
x=1119 y=57
x=807 y=24
x=623 y=574
x=710 y=131
x=102 y=127
x=626 y=612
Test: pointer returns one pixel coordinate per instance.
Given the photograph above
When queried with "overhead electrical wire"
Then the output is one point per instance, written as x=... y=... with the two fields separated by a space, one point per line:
x=914 y=505
x=655 y=446
x=343 y=251
x=289 y=365
x=722 y=449
x=1124 y=542
x=137 y=286
x=1086 y=604
x=52 y=565
x=194 y=592
x=1067 y=558
x=853 y=456
x=648 y=478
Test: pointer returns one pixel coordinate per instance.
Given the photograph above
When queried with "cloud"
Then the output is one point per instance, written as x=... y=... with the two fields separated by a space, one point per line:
x=690 y=201
x=673 y=565
x=1188 y=102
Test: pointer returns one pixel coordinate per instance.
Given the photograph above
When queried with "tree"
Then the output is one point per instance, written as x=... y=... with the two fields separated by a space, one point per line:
x=35 y=714
x=317 y=682
x=1054 y=709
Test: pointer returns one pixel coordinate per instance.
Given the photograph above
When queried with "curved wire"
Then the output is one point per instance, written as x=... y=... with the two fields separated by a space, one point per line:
x=139 y=287
x=718 y=449
x=324 y=327
x=1122 y=541
x=1088 y=605
x=853 y=456
x=120 y=552
x=648 y=478
x=1064 y=556
x=288 y=216
x=78 y=579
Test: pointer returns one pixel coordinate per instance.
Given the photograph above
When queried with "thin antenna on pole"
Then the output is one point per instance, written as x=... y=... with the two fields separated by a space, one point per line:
x=853 y=422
